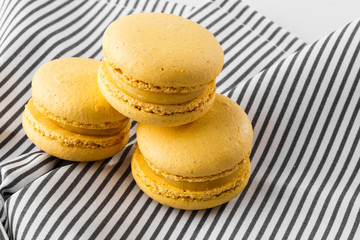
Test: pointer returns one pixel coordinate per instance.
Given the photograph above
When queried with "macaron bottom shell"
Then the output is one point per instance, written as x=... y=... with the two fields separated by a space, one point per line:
x=64 y=144
x=151 y=113
x=188 y=195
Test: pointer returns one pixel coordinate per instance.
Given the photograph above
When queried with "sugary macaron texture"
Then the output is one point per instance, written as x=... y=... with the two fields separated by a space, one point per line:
x=67 y=115
x=157 y=67
x=163 y=50
x=67 y=89
x=198 y=165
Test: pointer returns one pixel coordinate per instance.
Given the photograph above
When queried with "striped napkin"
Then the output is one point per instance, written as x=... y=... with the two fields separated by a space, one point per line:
x=303 y=101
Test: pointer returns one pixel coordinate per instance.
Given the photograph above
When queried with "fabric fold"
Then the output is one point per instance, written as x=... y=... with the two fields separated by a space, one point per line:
x=303 y=101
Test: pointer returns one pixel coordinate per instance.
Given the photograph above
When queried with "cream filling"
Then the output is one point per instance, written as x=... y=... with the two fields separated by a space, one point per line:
x=52 y=131
x=195 y=179
x=162 y=95
x=159 y=109
x=159 y=184
x=101 y=129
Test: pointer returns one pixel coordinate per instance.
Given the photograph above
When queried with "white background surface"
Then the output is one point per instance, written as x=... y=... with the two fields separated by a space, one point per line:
x=307 y=19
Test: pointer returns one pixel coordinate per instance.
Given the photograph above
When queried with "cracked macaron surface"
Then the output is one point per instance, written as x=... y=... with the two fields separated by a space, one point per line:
x=67 y=115
x=198 y=165
x=159 y=68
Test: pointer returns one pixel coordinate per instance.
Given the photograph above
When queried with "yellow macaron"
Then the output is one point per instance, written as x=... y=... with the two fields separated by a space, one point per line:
x=198 y=165
x=67 y=115
x=159 y=68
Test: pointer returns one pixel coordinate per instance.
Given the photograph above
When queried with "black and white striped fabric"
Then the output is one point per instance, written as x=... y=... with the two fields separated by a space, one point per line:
x=303 y=101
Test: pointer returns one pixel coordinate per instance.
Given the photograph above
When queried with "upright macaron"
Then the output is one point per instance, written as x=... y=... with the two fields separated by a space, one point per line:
x=67 y=115
x=159 y=68
x=198 y=165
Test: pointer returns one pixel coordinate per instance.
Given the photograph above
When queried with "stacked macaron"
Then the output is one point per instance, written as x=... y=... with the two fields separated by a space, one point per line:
x=193 y=145
x=67 y=115
x=159 y=69
x=198 y=165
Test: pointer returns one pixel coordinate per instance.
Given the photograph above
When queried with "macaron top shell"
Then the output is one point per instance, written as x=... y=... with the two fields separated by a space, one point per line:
x=67 y=89
x=163 y=50
x=214 y=144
